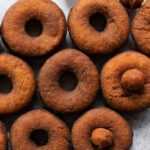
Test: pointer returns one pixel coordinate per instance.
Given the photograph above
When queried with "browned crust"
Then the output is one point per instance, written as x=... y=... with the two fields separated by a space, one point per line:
x=86 y=37
x=113 y=91
x=57 y=98
x=23 y=81
x=141 y=28
x=59 y=136
x=101 y=118
x=48 y=13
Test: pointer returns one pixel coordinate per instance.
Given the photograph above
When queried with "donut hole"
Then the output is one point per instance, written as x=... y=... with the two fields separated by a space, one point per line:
x=96 y=147
x=5 y=84
x=33 y=27
x=98 y=21
x=68 y=81
x=39 y=137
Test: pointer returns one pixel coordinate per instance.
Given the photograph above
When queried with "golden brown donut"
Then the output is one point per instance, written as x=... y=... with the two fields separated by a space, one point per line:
x=45 y=11
x=59 y=99
x=23 y=128
x=3 y=137
x=23 y=82
x=101 y=128
x=141 y=28
x=86 y=37
x=133 y=4
x=125 y=82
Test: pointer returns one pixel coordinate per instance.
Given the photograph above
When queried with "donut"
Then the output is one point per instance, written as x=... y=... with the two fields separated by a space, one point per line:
x=140 y=28
x=59 y=99
x=47 y=13
x=86 y=37
x=22 y=77
x=133 y=4
x=125 y=82
x=101 y=128
x=22 y=130
x=3 y=137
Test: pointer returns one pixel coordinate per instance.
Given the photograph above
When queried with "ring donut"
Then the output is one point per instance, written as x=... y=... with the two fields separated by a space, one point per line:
x=59 y=99
x=86 y=37
x=101 y=128
x=22 y=77
x=39 y=120
x=47 y=13
x=140 y=28
x=125 y=82
x=3 y=137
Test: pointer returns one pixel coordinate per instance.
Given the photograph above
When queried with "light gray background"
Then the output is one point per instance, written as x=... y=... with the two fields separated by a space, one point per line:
x=139 y=122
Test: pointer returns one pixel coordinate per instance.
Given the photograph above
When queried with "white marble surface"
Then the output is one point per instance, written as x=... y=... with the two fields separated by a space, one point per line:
x=139 y=122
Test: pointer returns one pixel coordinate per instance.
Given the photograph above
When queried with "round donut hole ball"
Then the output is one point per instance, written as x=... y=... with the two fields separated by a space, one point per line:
x=41 y=130
x=132 y=80
x=98 y=27
x=17 y=84
x=102 y=138
x=3 y=137
x=101 y=128
x=125 y=82
x=68 y=81
x=33 y=28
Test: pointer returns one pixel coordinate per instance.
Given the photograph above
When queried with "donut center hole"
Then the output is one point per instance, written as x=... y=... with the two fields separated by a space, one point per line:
x=39 y=137
x=98 y=21
x=5 y=84
x=68 y=81
x=33 y=27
